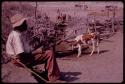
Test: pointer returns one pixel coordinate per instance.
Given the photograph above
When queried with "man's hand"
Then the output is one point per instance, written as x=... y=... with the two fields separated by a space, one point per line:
x=16 y=61
x=39 y=50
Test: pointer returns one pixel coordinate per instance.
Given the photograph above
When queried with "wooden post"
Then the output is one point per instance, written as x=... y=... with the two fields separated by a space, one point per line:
x=88 y=28
x=20 y=6
x=36 y=10
x=74 y=13
x=107 y=8
x=87 y=25
x=113 y=20
x=108 y=12
x=94 y=22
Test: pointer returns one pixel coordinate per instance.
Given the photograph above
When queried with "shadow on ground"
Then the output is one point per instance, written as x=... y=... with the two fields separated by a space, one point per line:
x=70 y=53
x=60 y=54
x=103 y=51
x=70 y=76
x=100 y=52
x=65 y=76
x=106 y=40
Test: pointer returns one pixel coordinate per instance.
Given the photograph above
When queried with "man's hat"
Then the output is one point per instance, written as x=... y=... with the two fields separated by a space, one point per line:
x=17 y=20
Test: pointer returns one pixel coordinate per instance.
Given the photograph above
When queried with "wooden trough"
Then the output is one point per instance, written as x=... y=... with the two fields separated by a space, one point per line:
x=64 y=49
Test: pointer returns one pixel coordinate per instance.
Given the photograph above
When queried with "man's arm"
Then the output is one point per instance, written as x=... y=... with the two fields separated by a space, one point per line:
x=39 y=50
x=22 y=57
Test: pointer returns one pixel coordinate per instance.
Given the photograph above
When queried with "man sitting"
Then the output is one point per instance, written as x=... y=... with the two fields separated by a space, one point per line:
x=18 y=48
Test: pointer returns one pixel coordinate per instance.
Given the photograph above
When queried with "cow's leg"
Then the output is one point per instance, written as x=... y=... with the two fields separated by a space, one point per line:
x=79 y=50
x=83 y=41
x=72 y=47
x=97 y=46
x=93 y=46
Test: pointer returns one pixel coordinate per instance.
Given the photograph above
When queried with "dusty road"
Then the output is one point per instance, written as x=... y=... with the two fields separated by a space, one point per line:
x=107 y=67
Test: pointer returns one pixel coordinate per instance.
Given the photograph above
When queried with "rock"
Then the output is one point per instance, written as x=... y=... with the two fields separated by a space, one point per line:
x=14 y=74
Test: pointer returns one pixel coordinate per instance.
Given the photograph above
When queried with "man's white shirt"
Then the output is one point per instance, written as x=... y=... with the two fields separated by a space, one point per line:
x=17 y=44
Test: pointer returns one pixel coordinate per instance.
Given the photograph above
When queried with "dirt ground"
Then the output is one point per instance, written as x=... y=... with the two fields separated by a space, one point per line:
x=105 y=67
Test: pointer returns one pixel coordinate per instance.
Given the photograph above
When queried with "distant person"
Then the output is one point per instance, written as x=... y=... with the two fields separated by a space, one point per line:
x=17 y=48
